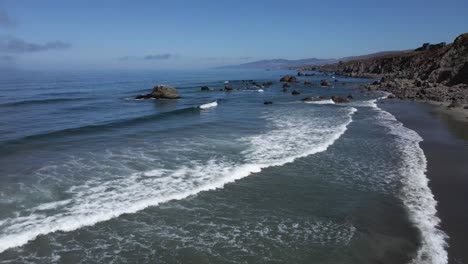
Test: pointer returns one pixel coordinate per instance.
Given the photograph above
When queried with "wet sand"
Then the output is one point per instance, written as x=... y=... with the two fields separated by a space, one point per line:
x=446 y=148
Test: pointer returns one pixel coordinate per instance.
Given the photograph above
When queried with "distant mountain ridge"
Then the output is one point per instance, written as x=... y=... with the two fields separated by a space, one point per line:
x=280 y=63
x=284 y=63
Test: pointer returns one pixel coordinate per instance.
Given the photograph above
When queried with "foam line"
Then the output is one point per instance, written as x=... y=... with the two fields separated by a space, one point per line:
x=416 y=194
x=291 y=136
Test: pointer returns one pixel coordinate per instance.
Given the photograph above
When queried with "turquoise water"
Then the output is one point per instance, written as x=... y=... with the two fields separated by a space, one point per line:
x=90 y=175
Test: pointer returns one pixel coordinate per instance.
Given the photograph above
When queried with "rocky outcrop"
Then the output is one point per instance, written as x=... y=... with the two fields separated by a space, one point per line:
x=436 y=72
x=161 y=92
x=288 y=78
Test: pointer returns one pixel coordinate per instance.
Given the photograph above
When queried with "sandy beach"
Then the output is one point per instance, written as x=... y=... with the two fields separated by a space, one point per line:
x=446 y=148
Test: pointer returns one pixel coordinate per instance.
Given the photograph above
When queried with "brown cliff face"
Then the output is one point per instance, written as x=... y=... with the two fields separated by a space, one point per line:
x=445 y=65
x=433 y=72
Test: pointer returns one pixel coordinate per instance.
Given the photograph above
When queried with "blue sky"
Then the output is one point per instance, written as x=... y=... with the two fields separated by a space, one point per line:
x=198 y=34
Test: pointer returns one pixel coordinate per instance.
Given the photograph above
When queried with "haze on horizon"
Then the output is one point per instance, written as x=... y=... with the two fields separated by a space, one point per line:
x=87 y=34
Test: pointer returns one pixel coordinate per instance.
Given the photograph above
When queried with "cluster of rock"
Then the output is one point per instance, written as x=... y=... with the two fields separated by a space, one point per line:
x=418 y=89
x=288 y=78
x=437 y=72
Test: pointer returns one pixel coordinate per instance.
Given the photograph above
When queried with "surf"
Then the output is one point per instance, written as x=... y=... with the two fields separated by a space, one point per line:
x=291 y=135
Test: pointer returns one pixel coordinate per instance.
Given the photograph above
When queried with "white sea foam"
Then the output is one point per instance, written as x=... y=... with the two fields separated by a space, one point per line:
x=209 y=105
x=291 y=136
x=416 y=194
x=329 y=101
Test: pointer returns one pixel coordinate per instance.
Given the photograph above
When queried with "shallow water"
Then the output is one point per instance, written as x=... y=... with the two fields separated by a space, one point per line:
x=88 y=174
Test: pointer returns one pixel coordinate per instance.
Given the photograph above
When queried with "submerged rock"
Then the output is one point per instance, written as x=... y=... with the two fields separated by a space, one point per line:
x=324 y=83
x=295 y=92
x=313 y=99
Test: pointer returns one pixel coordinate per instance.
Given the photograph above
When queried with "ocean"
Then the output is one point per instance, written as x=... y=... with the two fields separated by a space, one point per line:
x=88 y=174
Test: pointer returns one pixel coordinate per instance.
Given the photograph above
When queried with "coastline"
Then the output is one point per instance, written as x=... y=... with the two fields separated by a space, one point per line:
x=445 y=145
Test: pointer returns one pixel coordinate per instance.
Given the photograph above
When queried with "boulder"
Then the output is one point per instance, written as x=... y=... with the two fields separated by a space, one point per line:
x=339 y=99
x=164 y=92
x=288 y=78
x=205 y=88
x=161 y=92
x=324 y=83
x=295 y=92
x=228 y=88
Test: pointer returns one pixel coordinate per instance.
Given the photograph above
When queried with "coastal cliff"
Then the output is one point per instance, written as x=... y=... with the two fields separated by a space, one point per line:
x=436 y=72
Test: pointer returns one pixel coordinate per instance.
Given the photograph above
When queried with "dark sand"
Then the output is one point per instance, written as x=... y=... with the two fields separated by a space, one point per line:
x=446 y=148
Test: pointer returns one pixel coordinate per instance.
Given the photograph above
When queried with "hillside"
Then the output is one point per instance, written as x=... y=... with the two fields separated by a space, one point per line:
x=432 y=72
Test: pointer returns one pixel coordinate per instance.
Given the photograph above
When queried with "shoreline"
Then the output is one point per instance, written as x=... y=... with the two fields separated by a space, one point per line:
x=445 y=144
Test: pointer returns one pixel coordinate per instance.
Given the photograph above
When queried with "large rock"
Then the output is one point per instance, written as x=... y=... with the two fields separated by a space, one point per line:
x=339 y=99
x=161 y=92
x=288 y=78
x=228 y=88
x=164 y=92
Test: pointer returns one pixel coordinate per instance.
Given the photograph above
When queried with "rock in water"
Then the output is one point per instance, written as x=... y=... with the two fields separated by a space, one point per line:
x=143 y=96
x=295 y=92
x=268 y=102
x=350 y=96
x=288 y=78
x=161 y=92
x=306 y=82
x=324 y=83
x=228 y=88
x=339 y=99
x=286 y=85
x=205 y=88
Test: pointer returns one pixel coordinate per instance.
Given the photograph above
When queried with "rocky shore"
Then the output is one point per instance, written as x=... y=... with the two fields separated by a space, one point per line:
x=433 y=72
